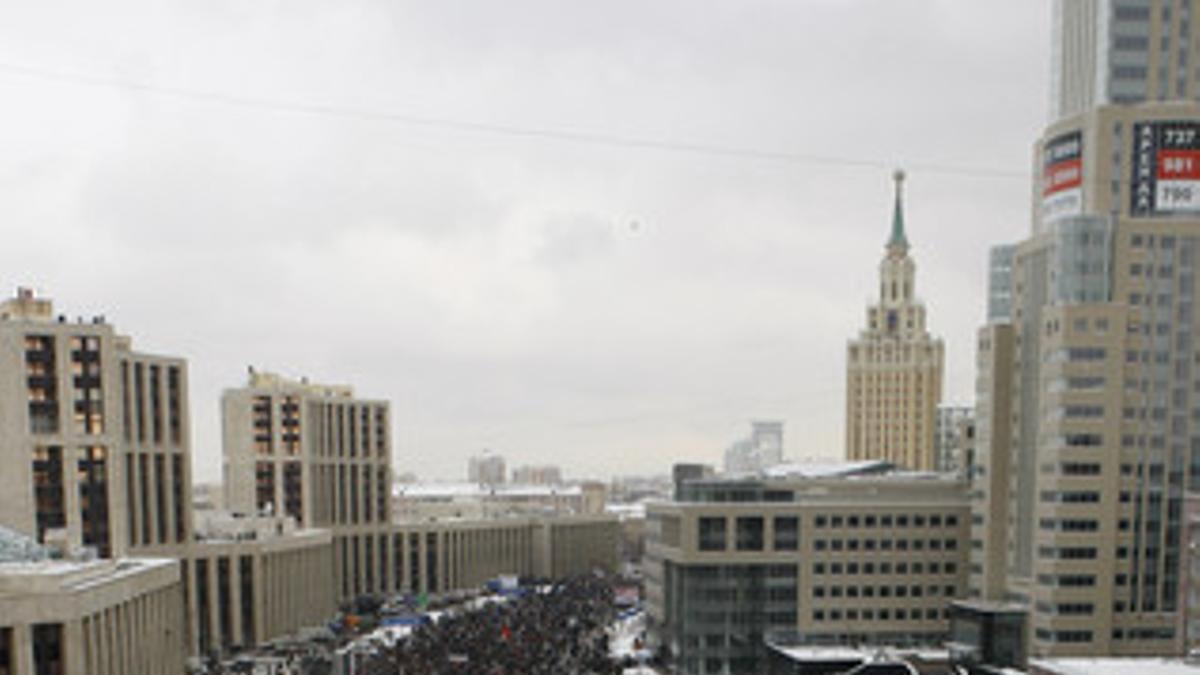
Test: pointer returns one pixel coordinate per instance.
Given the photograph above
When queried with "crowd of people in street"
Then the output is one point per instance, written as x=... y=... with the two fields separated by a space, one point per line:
x=557 y=629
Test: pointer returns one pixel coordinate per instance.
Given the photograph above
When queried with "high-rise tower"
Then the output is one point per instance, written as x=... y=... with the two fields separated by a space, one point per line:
x=1088 y=412
x=894 y=367
x=1122 y=51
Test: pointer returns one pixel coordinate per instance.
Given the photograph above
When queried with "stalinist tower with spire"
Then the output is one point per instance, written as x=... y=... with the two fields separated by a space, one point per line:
x=894 y=367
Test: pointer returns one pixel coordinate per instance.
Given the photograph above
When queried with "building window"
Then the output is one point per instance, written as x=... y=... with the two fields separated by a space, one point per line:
x=246 y=579
x=787 y=533
x=156 y=410
x=48 y=489
x=261 y=420
x=48 y=657
x=750 y=533
x=224 y=603
x=711 y=533
x=293 y=491
x=93 y=498
x=42 y=384
x=6 y=650
x=265 y=486
x=174 y=405
x=178 y=483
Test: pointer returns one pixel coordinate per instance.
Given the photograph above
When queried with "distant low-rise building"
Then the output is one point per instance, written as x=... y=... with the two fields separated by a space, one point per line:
x=431 y=501
x=547 y=474
x=486 y=468
x=254 y=579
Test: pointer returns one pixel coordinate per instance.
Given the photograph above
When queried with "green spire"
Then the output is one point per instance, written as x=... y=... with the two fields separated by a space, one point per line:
x=898 y=242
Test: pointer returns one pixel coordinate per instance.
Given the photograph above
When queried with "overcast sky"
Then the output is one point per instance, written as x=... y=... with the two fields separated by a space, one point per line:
x=244 y=182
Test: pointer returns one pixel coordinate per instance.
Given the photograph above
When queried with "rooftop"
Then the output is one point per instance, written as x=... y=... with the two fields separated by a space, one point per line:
x=1116 y=666
x=261 y=379
x=475 y=490
x=828 y=469
x=55 y=576
x=17 y=548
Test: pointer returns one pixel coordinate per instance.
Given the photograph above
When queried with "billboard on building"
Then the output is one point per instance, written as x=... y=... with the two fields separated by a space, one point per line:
x=1062 y=177
x=1166 y=168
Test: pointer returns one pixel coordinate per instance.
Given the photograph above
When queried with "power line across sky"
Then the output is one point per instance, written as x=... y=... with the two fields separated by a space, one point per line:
x=18 y=70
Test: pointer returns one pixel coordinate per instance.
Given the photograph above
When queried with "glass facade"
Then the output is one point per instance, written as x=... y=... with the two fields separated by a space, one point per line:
x=717 y=615
x=1000 y=269
x=1081 y=268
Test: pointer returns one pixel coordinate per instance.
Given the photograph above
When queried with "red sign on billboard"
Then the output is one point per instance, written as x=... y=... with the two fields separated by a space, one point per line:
x=1062 y=176
x=1179 y=165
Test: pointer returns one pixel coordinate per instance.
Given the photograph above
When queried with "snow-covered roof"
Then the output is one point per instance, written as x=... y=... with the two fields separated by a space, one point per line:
x=16 y=547
x=826 y=469
x=456 y=490
x=636 y=510
x=1117 y=666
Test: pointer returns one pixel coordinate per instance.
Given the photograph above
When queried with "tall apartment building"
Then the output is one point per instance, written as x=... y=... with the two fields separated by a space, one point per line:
x=486 y=468
x=894 y=367
x=95 y=436
x=1122 y=51
x=854 y=554
x=318 y=454
x=1088 y=395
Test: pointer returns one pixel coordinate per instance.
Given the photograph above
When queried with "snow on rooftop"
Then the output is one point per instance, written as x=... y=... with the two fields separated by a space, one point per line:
x=637 y=510
x=1116 y=666
x=826 y=469
x=456 y=490
x=821 y=654
x=17 y=548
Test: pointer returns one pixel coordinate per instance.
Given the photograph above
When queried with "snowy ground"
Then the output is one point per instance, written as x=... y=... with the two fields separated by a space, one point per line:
x=623 y=635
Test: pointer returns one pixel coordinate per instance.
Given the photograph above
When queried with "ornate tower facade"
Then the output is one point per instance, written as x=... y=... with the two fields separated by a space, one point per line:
x=894 y=367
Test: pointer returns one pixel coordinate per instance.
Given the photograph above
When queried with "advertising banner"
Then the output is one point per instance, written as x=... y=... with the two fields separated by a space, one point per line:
x=1166 y=168
x=1062 y=177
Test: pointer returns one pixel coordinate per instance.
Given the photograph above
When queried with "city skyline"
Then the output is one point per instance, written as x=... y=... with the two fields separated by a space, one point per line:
x=554 y=300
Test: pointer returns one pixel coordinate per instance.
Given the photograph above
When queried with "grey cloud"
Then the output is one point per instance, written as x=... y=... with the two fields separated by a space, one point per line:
x=490 y=285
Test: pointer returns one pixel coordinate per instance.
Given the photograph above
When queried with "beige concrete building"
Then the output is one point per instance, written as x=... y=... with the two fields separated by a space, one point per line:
x=1089 y=422
x=99 y=617
x=447 y=555
x=894 y=367
x=436 y=501
x=1189 y=618
x=320 y=455
x=252 y=579
x=97 y=434
x=840 y=554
